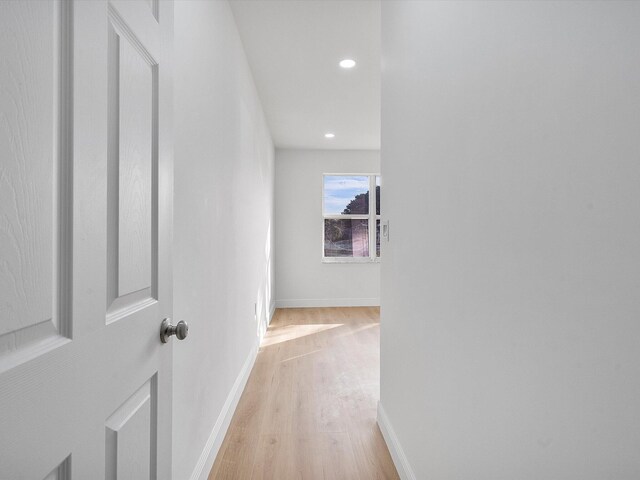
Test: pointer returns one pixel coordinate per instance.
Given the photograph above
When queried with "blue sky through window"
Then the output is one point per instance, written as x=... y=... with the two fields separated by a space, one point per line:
x=339 y=190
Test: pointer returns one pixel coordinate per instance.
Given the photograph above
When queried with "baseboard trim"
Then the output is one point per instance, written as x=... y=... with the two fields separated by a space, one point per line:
x=211 y=448
x=393 y=444
x=328 y=302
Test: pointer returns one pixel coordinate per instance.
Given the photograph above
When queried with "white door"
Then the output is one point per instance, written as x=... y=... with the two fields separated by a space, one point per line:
x=85 y=234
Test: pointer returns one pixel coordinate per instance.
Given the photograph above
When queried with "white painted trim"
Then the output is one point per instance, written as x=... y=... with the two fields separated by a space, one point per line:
x=328 y=302
x=211 y=448
x=393 y=444
x=359 y=260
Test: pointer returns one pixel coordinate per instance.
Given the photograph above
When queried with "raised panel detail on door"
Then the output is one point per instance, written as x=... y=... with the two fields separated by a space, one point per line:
x=129 y=432
x=132 y=209
x=34 y=172
x=155 y=8
x=61 y=472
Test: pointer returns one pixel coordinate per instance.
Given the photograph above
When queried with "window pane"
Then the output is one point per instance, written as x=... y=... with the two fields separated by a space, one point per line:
x=346 y=195
x=346 y=238
x=377 y=238
x=378 y=197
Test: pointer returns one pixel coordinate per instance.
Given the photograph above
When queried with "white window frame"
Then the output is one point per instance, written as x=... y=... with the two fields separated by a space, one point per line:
x=371 y=217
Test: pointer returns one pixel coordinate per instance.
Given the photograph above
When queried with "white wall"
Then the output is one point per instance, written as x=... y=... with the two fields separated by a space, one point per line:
x=511 y=282
x=223 y=228
x=302 y=280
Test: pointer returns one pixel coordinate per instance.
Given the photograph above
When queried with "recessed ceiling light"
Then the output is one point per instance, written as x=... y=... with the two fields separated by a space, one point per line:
x=348 y=63
x=329 y=135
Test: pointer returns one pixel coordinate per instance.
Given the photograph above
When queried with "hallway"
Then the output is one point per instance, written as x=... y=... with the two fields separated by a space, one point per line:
x=309 y=407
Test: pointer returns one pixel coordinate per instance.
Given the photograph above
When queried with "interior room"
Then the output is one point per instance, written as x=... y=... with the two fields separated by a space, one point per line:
x=319 y=239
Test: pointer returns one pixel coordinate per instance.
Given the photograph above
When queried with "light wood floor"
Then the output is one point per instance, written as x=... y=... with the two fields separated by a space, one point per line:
x=309 y=408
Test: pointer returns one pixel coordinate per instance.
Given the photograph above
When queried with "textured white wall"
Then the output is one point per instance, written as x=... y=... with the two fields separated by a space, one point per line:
x=223 y=220
x=511 y=282
x=301 y=277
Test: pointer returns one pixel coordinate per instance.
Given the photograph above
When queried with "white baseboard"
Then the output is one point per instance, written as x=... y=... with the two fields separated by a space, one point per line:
x=211 y=448
x=395 y=449
x=328 y=302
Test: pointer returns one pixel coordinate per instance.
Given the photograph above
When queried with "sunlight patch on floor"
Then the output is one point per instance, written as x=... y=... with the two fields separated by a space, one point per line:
x=291 y=332
x=355 y=331
x=300 y=356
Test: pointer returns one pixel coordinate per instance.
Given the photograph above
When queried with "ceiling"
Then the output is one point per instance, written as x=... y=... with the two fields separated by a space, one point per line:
x=294 y=47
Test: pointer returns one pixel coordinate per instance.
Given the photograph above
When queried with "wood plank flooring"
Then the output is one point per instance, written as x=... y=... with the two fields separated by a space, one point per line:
x=309 y=408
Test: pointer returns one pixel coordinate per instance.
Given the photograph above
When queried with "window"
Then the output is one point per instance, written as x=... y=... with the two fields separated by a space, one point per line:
x=349 y=214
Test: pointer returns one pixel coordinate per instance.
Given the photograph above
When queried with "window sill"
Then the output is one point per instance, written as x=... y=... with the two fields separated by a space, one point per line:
x=350 y=260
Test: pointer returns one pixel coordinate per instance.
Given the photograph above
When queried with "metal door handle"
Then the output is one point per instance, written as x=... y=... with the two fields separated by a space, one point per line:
x=166 y=330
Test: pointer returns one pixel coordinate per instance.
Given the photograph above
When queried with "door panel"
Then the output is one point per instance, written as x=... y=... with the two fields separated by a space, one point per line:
x=133 y=156
x=136 y=94
x=85 y=229
x=30 y=177
x=128 y=451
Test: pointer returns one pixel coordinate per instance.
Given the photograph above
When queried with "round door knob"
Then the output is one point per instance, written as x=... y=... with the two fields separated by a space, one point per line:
x=180 y=330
